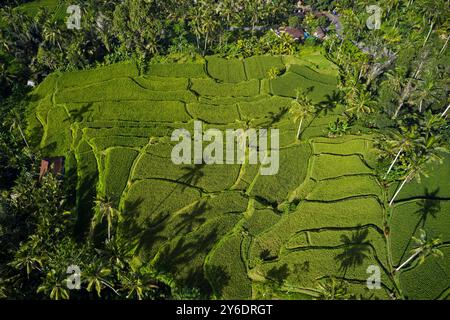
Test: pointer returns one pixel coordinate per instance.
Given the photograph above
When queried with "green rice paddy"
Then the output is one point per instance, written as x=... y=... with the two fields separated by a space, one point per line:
x=225 y=229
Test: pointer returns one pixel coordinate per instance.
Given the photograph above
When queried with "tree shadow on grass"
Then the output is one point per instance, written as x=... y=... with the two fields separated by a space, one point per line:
x=193 y=218
x=330 y=103
x=278 y=274
x=219 y=278
x=193 y=175
x=179 y=254
x=86 y=194
x=145 y=234
x=428 y=208
x=275 y=117
x=356 y=250
x=78 y=114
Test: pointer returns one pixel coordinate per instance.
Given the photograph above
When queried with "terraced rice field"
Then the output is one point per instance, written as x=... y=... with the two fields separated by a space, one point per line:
x=226 y=229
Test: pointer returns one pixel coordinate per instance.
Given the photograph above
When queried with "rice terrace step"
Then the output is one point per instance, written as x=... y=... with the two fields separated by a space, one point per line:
x=225 y=229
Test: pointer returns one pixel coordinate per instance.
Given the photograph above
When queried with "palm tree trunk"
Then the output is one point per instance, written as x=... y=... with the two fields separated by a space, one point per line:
x=407 y=89
x=206 y=43
x=445 y=111
x=398 y=110
x=299 y=128
x=23 y=136
x=399 y=189
x=429 y=33
x=393 y=162
x=444 y=46
x=408 y=261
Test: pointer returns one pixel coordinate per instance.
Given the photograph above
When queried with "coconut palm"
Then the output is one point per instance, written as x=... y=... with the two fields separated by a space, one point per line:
x=54 y=285
x=104 y=210
x=424 y=248
x=301 y=108
x=95 y=276
x=52 y=33
x=436 y=11
x=332 y=289
x=361 y=103
x=426 y=92
x=416 y=169
x=136 y=286
x=444 y=114
x=405 y=141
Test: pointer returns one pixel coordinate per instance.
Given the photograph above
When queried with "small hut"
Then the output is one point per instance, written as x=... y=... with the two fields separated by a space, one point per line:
x=298 y=34
x=56 y=165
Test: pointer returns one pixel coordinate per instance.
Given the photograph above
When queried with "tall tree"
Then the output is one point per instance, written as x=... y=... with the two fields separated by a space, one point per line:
x=424 y=248
x=301 y=108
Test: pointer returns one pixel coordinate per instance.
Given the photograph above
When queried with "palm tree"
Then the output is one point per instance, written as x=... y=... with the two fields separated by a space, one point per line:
x=52 y=33
x=301 y=108
x=95 y=276
x=27 y=257
x=416 y=169
x=435 y=11
x=361 y=103
x=136 y=286
x=332 y=289
x=425 y=247
x=55 y=286
x=403 y=142
x=104 y=210
x=427 y=90
x=445 y=111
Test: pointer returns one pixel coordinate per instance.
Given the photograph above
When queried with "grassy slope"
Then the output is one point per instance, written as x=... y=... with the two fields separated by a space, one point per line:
x=208 y=226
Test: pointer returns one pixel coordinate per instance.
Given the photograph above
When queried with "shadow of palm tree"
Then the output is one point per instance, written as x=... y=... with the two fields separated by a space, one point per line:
x=356 y=251
x=275 y=117
x=330 y=103
x=176 y=258
x=219 y=278
x=428 y=207
x=78 y=115
x=278 y=274
x=188 y=221
x=192 y=176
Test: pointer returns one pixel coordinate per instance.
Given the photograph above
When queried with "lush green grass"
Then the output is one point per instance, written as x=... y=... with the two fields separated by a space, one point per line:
x=292 y=172
x=258 y=67
x=231 y=71
x=208 y=87
x=214 y=114
x=331 y=166
x=288 y=84
x=345 y=187
x=314 y=215
x=260 y=221
x=98 y=75
x=184 y=256
x=138 y=111
x=408 y=218
x=178 y=70
x=148 y=201
x=118 y=166
x=226 y=229
x=120 y=89
x=227 y=271
x=436 y=185
x=428 y=281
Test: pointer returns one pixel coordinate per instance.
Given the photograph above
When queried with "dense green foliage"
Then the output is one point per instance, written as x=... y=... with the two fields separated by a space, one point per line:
x=363 y=117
